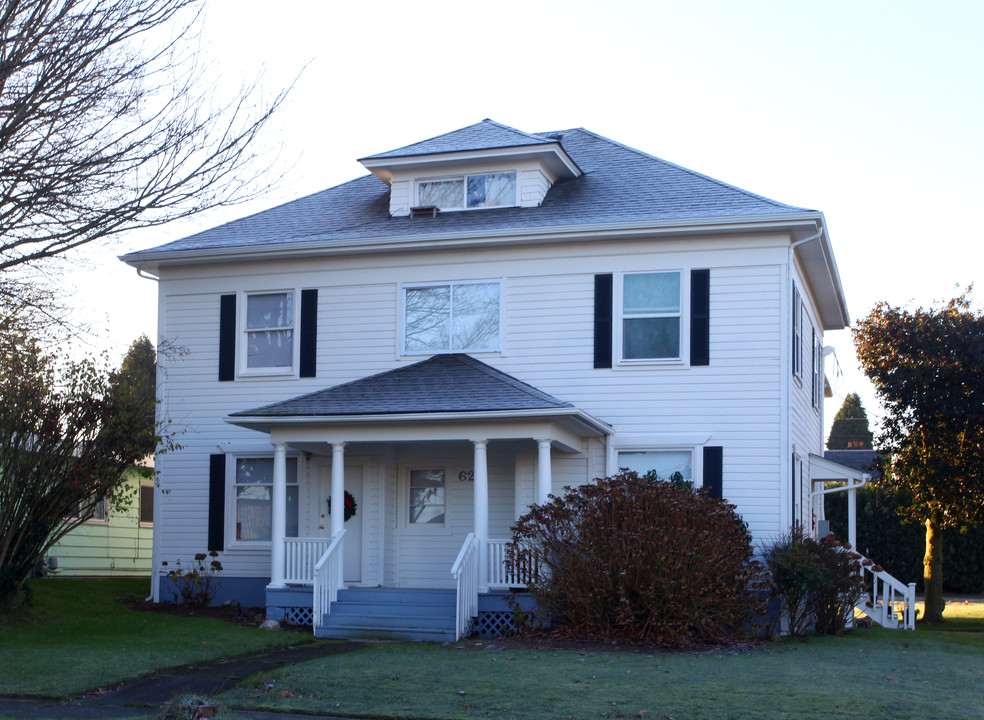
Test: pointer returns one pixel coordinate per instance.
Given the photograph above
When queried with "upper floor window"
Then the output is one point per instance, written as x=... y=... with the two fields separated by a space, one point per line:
x=268 y=332
x=651 y=316
x=468 y=191
x=453 y=317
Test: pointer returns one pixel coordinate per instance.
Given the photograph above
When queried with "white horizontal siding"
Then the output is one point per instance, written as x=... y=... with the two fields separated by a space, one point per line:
x=547 y=330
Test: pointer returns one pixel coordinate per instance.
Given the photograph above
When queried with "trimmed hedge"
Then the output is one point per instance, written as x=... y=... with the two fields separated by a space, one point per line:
x=900 y=548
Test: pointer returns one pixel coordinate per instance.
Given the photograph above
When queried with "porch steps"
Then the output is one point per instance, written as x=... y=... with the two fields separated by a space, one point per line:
x=390 y=614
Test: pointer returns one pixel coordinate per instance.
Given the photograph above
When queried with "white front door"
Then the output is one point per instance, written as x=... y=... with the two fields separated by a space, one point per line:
x=352 y=552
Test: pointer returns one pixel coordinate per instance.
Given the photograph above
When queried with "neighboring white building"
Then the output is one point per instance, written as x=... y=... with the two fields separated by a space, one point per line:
x=488 y=317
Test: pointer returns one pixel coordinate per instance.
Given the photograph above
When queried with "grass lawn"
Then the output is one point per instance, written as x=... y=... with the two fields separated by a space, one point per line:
x=77 y=637
x=871 y=673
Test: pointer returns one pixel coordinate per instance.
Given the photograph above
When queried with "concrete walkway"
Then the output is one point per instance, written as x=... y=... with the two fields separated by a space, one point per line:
x=146 y=695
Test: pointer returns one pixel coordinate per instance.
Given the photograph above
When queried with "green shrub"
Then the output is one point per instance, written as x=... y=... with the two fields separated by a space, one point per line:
x=647 y=560
x=900 y=548
x=818 y=581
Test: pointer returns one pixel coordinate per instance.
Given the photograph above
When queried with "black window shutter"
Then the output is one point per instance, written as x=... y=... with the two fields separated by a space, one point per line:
x=216 y=502
x=700 y=317
x=309 y=333
x=227 y=338
x=713 y=466
x=603 y=321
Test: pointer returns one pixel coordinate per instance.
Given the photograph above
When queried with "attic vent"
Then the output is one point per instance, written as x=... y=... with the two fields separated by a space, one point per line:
x=555 y=136
x=424 y=211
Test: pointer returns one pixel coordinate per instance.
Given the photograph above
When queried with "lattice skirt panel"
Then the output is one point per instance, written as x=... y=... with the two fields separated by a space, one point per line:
x=299 y=615
x=495 y=623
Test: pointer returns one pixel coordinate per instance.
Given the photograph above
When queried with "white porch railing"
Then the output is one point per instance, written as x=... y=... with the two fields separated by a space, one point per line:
x=327 y=579
x=889 y=602
x=501 y=575
x=302 y=556
x=465 y=574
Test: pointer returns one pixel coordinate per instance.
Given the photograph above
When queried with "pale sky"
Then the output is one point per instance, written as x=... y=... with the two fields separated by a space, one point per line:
x=868 y=111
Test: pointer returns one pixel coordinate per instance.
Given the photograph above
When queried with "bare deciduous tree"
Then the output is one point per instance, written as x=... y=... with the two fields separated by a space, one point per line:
x=106 y=124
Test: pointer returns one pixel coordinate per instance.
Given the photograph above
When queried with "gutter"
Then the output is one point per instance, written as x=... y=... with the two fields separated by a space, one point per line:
x=476 y=237
x=599 y=426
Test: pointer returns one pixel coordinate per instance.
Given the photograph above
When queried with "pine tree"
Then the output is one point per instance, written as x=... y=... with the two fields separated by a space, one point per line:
x=850 y=430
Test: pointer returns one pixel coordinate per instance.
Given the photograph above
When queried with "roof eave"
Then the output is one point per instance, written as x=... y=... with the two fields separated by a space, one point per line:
x=265 y=423
x=150 y=261
x=552 y=153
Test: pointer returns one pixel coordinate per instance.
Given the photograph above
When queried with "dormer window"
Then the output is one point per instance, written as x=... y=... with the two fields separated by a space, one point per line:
x=468 y=192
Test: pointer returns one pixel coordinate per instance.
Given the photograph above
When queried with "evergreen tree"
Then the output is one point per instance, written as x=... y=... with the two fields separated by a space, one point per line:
x=850 y=430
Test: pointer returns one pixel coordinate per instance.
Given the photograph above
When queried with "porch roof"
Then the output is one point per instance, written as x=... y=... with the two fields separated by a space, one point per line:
x=452 y=389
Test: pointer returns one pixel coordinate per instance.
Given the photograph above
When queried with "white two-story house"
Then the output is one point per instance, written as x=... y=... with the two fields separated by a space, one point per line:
x=488 y=316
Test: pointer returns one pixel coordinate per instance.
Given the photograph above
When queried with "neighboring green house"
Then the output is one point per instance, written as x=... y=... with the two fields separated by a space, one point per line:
x=114 y=542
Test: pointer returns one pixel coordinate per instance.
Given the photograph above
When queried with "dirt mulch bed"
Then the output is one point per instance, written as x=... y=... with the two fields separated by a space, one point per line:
x=230 y=612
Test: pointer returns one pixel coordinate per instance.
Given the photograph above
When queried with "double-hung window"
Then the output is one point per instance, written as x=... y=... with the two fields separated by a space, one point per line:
x=252 y=496
x=451 y=317
x=268 y=332
x=468 y=191
x=651 y=316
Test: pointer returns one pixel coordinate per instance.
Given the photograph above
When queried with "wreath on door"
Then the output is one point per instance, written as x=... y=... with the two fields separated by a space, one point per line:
x=350 y=506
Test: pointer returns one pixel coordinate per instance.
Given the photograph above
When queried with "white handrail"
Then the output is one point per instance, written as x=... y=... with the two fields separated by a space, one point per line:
x=885 y=594
x=302 y=555
x=327 y=579
x=465 y=574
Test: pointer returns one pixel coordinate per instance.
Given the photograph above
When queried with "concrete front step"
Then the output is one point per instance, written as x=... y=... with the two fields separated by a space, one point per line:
x=391 y=614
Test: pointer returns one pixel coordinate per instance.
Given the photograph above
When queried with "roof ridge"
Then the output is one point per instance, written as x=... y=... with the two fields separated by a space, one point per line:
x=485 y=121
x=694 y=173
x=531 y=136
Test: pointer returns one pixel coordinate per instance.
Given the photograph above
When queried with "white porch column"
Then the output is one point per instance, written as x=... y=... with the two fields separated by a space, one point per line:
x=852 y=518
x=278 y=509
x=482 y=512
x=544 y=480
x=338 y=498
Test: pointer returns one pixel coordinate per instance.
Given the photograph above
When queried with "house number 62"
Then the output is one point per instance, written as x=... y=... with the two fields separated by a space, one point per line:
x=466 y=476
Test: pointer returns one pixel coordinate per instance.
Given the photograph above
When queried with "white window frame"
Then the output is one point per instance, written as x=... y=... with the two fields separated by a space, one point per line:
x=107 y=510
x=403 y=500
x=231 y=541
x=683 y=356
x=450 y=285
x=696 y=458
x=464 y=189
x=242 y=332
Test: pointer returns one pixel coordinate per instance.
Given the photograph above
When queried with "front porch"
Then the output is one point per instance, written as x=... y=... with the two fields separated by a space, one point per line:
x=449 y=458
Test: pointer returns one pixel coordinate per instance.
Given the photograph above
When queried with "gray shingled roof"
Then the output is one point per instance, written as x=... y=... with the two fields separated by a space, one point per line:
x=442 y=384
x=484 y=135
x=863 y=460
x=619 y=185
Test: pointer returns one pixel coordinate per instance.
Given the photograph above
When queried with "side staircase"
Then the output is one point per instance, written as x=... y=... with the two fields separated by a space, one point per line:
x=390 y=614
x=887 y=601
